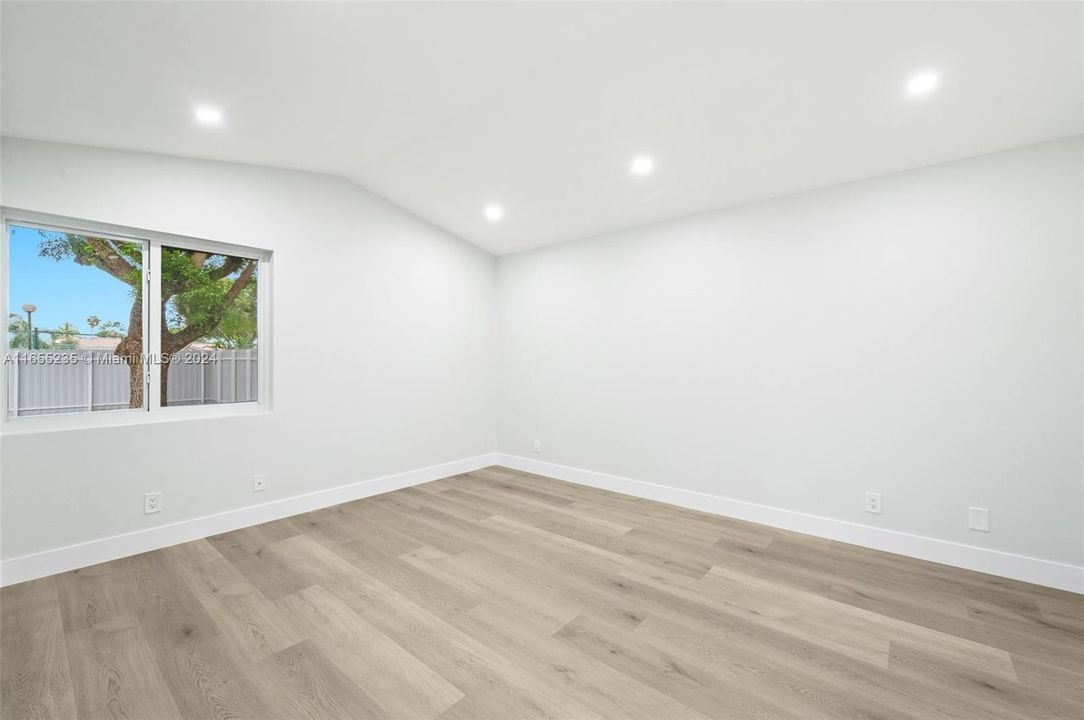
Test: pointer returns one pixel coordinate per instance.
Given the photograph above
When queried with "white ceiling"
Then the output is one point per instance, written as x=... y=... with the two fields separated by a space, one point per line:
x=444 y=107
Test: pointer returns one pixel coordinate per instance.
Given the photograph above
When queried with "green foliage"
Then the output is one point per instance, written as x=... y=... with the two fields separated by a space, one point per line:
x=196 y=290
x=237 y=331
x=65 y=337
x=195 y=294
x=112 y=329
x=123 y=260
x=196 y=287
x=17 y=335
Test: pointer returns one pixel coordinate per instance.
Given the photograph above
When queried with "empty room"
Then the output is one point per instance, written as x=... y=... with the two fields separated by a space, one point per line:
x=530 y=360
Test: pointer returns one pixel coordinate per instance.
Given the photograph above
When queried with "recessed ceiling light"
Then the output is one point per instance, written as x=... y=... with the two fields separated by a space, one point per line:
x=641 y=166
x=922 y=83
x=208 y=115
x=493 y=212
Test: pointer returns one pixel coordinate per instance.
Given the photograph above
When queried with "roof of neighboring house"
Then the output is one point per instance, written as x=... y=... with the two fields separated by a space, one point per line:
x=109 y=344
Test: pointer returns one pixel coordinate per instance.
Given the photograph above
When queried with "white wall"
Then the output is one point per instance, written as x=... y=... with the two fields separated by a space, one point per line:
x=408 y=308
x=918 y=335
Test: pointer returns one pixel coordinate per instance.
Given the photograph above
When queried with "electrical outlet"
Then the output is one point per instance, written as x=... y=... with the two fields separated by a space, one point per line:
x=873 y=502
x=978 y=519
x=538 y=446
x=152 y=503
x=259 y=483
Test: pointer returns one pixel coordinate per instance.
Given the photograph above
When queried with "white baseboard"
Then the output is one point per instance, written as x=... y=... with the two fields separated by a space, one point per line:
x=994 y=562
x=70 y=557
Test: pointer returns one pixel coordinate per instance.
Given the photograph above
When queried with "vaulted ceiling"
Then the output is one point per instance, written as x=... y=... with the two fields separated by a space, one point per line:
x=540 y=107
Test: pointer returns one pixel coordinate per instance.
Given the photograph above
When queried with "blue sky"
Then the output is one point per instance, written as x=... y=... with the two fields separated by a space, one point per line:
x=64 y=291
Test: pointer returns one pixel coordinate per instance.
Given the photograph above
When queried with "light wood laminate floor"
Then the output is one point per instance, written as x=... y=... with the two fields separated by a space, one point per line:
x=502 y=595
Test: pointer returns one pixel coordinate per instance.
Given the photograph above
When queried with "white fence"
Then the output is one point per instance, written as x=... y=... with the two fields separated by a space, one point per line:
x=81 y=381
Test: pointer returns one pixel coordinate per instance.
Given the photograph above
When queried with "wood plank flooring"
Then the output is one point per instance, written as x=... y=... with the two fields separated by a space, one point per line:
x=504 y=595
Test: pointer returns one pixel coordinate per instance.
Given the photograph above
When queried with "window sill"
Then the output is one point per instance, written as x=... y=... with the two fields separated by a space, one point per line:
x=35 y=424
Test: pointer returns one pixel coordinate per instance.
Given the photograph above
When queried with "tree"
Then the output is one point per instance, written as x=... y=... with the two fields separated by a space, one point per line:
x=112 y=329
x=66 y=337
x=199 y=289
x=237 y=331
x=20 y=338
x=17 y=329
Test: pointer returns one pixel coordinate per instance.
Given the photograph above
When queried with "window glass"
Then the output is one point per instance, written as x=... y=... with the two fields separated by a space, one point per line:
x=75 y=323
x=209 y=328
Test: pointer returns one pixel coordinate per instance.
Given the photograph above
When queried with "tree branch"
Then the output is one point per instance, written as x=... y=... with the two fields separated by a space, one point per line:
x=228 y=268
x=172 y=342
x=107 y=259
x=240 y=282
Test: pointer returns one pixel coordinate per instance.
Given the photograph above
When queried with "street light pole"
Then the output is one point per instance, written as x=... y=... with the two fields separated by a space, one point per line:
x=30 y=308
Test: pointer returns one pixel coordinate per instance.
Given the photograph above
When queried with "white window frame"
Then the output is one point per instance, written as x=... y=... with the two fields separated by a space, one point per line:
x=153 y=411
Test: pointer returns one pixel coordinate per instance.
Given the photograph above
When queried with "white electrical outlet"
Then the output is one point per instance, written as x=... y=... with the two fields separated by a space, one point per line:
x=152 y=503
x=978 y=519
x=873 y=502
x=538 y=446
x=259 y=483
